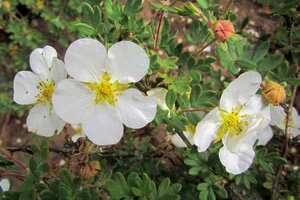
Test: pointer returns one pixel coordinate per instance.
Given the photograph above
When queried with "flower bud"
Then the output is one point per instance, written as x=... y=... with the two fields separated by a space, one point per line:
x=6 y=5
x=273 y=92
x=224 y=29
x=90 y=170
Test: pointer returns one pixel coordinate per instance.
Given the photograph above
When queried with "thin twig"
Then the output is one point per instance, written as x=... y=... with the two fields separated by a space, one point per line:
x=276 y=186
x=195 y=110
x=158 y=31
x=15 y=175
x=10 y=157
x=185 y=140
x=227 y=7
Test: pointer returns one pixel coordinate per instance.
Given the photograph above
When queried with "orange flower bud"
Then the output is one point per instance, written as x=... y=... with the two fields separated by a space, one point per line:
x=6 y=5
x=224 y=29
x=273 y=92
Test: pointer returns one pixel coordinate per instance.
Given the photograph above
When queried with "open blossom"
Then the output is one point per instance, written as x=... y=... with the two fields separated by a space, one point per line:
x=37 y=88
x=98 y=97
x=238 y=121
x=278 y=118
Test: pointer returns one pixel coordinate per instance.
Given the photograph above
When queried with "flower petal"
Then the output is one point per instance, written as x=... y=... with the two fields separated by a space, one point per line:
x=58 y=71
x=5 y=185
x=237 y=162
x=127 y=62
x=71 y=99
x=160 y=95
x=44 y=121
x=240 y=90
x=25 y=90
x=102 y=125
x=136 y=110
x=41 y=60
x=264 y=136
x=277 y=115
x=85 y=60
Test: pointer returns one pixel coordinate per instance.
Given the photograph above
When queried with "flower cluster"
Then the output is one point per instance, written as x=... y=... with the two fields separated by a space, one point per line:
x=98 y=96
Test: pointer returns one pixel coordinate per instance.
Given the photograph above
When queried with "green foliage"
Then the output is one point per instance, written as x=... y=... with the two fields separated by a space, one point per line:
x=141 y=187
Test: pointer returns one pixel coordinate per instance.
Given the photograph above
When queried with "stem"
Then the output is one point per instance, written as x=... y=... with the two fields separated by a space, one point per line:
x=195 y=110
x=284 y=154
x=202 y=46
x=10 y=157
x=15 y=175
x=185 y=140
x=227 y=7
x=161 y=14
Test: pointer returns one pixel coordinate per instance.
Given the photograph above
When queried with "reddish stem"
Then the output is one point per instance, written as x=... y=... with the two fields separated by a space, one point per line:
x=10 y=157
x=161 y=14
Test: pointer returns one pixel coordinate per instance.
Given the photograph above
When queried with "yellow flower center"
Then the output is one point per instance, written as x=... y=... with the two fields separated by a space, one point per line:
x=106 y=90
x=46 y=90
x=232 y=123
x=190 y=128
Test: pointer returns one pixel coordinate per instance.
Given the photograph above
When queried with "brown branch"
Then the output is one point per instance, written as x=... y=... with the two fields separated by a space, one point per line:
x=14 y=175
x=161 y=14
x=195 y=110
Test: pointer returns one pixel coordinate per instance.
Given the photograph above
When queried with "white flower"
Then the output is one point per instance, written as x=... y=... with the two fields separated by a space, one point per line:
x=278 y=118
x=98 y=97
x=4 y=185
x=159 y=94
x=37 y=88
x=188 y=133
x=237 y=121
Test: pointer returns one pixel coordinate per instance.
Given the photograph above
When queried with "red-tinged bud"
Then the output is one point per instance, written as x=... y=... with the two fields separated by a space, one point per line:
x=224 y=29
x=273 y=92
x=90 y=170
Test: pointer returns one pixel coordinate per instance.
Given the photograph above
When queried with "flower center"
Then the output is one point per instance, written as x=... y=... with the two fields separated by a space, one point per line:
x=190 y=128
x=46 y=89
x=233 y=123
x=106 y=90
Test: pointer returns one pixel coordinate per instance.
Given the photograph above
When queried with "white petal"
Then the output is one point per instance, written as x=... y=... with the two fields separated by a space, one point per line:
x=178 y=142
x=102 y=125
x=136 y=110
x=237 y=162
x=240 y=90
x=58 y=71
x=5 y=185
x=206 y=132
x=277 y=115
x=43 y=121
x=25 y=90
x=264 y=136
x=85 y=60
x=71 y=99
x=295 y=132
x=41 y=60
x=127 y=62
x=160 y=95
x=253 y=106
x=260 y=120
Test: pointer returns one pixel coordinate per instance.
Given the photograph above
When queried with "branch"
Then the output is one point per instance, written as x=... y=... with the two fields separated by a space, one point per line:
x=185 y=140
x=276 y=186
x=8 y=156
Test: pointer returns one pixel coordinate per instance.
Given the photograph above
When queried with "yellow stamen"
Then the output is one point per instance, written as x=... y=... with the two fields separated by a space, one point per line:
x=46 y=89
x=190 y=128
x=232 y=123
x=106 y=90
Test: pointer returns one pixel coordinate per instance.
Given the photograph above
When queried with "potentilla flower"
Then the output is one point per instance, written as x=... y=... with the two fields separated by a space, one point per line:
x=238 y=121
x=37 y=88
x=279 y=119
x=188 y=133
x=98 y=97
x=224 y=29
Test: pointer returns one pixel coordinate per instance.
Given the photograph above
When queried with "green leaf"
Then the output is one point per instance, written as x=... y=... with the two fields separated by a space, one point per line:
x=269 y=63
x=88 y=9
x=168 y=63
x=245 y=64
x=159 y=6
x=85 y=29
x=261 y=51
x=66 y=177
x=171 y=98
x=203 y=4
x=266 y=166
